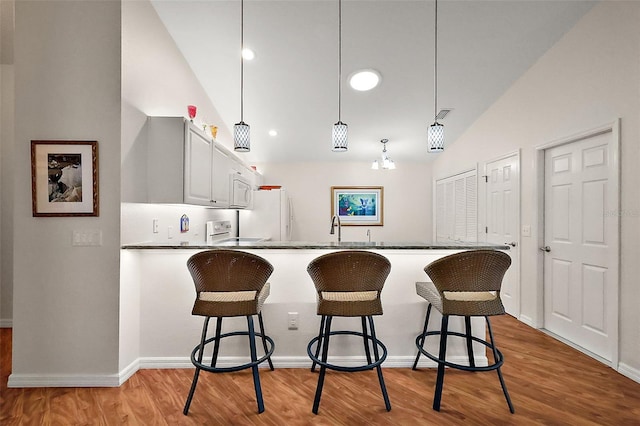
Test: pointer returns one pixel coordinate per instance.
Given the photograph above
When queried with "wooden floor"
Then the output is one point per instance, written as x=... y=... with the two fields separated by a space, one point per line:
x=549 y=382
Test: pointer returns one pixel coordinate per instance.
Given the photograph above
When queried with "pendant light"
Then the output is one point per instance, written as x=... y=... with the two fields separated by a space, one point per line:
x=241 y=130
x=340 y=129
x=386 y=163
x=435 y=134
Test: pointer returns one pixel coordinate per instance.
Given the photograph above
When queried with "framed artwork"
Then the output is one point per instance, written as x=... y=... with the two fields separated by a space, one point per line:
x=358 y=205
x=64 y=178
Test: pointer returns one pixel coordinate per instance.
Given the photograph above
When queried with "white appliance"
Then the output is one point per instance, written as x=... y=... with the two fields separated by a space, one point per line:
x=271 y=216
x=239 y=191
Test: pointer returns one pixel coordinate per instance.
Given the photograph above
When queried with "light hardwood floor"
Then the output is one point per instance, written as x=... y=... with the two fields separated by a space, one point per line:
x=549 y=382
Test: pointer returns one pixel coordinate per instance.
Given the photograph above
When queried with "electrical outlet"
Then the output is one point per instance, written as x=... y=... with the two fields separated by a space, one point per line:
x=292 y=320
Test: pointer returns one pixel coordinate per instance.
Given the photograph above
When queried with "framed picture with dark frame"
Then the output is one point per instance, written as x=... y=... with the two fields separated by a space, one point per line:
x=64 y=178
x=358 y=205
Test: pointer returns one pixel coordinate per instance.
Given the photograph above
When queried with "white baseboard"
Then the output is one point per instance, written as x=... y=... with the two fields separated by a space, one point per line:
x=630 y=372
x=6 y=323
x=63 y=381
x=128 y=371
x=116 y=380
x=527 y=320
x=302 y=362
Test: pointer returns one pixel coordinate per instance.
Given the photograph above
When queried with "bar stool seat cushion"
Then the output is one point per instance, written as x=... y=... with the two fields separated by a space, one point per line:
x=349 y=303
x=463 y=303
x=230 y=303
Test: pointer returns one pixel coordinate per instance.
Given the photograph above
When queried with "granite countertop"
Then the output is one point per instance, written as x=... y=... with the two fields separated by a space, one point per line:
x=310 y=245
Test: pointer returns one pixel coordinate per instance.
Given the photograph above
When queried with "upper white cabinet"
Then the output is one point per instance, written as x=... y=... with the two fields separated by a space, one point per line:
x=198 y=168
x=221 y=170
x=186 y=166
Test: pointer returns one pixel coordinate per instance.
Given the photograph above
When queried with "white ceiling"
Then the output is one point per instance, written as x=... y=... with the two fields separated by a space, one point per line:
x=292 y=84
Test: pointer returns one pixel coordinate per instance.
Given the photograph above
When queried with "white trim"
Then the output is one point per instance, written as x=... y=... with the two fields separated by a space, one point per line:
x=63 y=381
x=613 y=128
x=527 y=320
x=303 y=361
x=629 y=371
x=128 y=371
x=6 y=323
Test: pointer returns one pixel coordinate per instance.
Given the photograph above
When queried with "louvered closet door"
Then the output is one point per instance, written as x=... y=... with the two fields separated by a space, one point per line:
x=456 y=208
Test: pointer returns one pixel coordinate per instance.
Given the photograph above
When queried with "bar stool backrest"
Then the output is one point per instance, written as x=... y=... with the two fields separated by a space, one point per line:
x=469 y=271
x=229 y=282
x=349 y=270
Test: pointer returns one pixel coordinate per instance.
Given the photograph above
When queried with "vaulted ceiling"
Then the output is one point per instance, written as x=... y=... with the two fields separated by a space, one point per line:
x=292 y=84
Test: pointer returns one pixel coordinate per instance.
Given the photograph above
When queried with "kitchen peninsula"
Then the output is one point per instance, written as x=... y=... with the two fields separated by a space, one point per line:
x=162 y=295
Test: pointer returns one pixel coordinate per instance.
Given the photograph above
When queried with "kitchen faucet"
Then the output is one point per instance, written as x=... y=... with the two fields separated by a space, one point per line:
x=335 y=219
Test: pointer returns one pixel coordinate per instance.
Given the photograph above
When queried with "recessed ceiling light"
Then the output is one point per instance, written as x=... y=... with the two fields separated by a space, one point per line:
x=273 y=132
x=248 y=54
x=364 y=80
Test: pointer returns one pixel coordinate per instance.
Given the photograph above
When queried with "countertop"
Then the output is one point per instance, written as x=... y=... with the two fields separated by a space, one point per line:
x=311 y=245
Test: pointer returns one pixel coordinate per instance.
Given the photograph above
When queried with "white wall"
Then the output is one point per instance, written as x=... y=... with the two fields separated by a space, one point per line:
x=589 y=78
x=67 y=87
x=407 y=198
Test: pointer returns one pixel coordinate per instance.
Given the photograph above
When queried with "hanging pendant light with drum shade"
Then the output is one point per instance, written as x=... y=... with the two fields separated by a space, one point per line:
x=339 y=135
x=241 y=130
x=435 y=134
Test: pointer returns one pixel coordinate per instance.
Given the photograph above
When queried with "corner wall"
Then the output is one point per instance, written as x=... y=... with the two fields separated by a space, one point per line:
x=589 y=78
x=67 y=87
x=6 y=166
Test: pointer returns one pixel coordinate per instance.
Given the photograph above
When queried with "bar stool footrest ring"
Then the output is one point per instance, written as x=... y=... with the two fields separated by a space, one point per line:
x=489 y=367
x=210 y=369
x=365 y=367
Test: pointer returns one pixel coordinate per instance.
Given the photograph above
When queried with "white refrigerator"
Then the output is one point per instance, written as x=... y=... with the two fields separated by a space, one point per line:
x=271 y=216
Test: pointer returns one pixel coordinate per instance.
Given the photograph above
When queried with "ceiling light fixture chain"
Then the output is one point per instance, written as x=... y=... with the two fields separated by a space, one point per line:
x=241 y=130
x=340 y=129
x=435 y=134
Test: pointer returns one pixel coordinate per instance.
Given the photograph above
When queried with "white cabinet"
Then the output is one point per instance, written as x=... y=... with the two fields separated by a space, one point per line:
x=221 y=163
x=198 y=176
x=184 y=165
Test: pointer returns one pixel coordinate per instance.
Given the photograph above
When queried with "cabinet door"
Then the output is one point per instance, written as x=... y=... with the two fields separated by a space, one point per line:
x=220 y=177
x=197 y=169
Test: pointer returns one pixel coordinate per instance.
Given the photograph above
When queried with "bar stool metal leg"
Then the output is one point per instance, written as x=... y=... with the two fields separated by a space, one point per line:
x=264 y=340
x=443 y=355
x=216 y=342
x=254 y=368
x=496 y=357
x=423 y=337
x=323 y=368
x=365 y=337
x=467 y=328
x=205 y=326
x=313 y=365
x=376 y=355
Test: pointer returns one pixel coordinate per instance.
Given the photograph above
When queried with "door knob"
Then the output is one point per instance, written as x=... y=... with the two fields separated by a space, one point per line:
x=546 y=248
x=512 y=244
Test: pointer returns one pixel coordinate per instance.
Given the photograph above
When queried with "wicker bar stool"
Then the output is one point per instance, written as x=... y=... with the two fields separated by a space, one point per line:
x=230 y=283
x=348 y=284
x=464 y=284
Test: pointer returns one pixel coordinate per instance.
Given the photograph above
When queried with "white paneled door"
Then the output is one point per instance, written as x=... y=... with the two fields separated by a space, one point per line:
x=503 y=222
x=581 y=243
